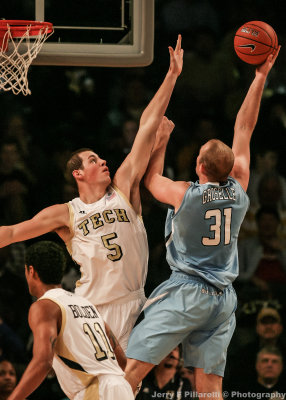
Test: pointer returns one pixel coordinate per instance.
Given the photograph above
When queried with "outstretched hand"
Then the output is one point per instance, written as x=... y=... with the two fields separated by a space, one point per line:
x=268 y=64
x=176 y=57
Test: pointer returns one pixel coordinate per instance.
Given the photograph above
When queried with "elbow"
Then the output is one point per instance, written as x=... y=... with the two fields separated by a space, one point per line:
x=123 y=364
x=44 y=362
x=148 y=181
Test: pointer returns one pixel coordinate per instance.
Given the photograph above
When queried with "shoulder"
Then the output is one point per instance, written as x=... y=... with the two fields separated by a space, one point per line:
x=44 y=312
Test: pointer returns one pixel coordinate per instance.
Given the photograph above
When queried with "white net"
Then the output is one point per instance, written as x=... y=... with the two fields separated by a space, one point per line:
x=16 y=56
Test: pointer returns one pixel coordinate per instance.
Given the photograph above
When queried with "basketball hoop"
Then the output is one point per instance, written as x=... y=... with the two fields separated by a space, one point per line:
x=20 y=43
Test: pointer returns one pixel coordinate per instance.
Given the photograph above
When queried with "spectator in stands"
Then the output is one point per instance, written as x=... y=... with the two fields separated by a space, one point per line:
x=268 y=383
x=7 y=378
x=262 y=258
x=269 y=328
x=165 y=381
x=11 y=345
x=270 y=195
x=266 y=160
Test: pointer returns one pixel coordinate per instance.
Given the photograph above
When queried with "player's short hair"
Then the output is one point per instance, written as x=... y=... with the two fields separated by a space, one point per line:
x=218 y=160
x=74 y=162
x=48 y=259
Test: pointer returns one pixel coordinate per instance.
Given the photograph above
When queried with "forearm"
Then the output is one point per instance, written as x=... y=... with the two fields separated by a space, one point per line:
x=33 y=376
x=6 y=236
x=118 y=351
x=248 y=113
x=121 y=357
x=156 y=163
x=158 y=105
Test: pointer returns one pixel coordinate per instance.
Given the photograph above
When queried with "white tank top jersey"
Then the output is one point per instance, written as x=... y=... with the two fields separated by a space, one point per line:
x=110 y=245
x=82 y=350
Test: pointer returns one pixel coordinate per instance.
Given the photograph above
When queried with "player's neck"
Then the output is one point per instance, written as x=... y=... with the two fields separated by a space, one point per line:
x=42 y=289
x=203 y=179
x=92 y=193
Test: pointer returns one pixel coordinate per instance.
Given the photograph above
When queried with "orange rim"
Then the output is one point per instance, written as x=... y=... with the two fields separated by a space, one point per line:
x=19 y=27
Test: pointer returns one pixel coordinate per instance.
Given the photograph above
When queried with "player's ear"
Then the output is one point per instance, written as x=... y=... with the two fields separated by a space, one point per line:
x=202 y=168
x=30 y=269
x=76 y=173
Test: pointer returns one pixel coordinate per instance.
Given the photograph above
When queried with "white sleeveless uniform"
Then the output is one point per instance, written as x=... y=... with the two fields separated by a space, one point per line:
x=84 y=361
x=110 y=245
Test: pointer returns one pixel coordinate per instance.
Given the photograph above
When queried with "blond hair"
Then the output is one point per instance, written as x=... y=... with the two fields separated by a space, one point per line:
x=217 y=159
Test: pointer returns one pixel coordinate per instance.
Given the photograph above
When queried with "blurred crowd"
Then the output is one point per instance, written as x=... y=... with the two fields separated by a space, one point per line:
x=74 y=107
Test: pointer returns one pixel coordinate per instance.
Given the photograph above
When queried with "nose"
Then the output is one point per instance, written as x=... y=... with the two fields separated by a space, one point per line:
x=102 y=162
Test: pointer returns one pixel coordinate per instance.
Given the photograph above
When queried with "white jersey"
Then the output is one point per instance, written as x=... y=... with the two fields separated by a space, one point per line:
x=82 y=351
x=110 y=245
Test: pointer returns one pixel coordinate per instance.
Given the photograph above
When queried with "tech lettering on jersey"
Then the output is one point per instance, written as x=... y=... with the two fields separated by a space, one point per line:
x=218 y=193
x=106 y=217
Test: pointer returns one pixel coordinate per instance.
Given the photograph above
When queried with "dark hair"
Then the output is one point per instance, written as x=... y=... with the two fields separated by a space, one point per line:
x=267 y=210
x=48 y=259
x=74 y=162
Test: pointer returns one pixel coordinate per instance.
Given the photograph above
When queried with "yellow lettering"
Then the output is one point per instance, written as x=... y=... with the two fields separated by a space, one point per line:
x=84 y=228
x=121 y=215
x=96 y=222
x=106 y=217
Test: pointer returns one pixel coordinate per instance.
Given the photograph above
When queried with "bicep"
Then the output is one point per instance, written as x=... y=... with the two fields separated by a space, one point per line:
x=45 y=221
x=167 y=191
x=240 y=171
x=43 y=320
x=135 y=164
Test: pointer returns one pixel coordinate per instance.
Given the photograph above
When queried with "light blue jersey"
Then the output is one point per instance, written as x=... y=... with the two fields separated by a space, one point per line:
x=201 y=238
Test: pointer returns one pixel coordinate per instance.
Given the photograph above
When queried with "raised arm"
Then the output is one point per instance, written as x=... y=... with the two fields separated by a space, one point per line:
x=47 y=220
x=163 y=189
x=246 y=120
x=130 y=173
x=43 y=320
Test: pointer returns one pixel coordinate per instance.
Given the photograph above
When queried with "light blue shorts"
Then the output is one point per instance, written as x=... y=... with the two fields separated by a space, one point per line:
x=186 y=309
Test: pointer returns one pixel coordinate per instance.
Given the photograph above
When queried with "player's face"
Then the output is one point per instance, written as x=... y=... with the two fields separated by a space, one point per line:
x=94 y=168
x=7 y=377
x=269 y=366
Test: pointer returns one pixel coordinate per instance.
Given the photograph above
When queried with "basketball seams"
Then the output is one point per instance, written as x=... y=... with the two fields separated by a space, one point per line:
x=273 y=33
x=257 y=36
x=253 y=40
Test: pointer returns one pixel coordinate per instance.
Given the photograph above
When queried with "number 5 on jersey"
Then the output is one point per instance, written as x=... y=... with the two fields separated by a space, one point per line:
x=116 y=251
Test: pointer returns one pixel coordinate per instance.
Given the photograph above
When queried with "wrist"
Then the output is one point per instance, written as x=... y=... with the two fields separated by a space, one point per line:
x=172 y=75
x=261 y=76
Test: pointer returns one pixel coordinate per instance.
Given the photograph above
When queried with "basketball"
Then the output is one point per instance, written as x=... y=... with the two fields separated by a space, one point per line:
x=254 y=41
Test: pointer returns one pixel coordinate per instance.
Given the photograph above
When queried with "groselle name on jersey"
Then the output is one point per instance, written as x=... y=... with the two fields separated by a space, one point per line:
x=218 y=193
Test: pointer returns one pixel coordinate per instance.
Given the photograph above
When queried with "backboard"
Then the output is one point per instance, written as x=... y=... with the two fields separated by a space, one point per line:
x=111 y=33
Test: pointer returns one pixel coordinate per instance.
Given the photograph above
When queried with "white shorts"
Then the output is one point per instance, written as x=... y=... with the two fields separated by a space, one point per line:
x=107 y=387
x=122 y=314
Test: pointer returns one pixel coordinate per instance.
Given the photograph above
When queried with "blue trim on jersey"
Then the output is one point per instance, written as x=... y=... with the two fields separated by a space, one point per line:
x=202 y=235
